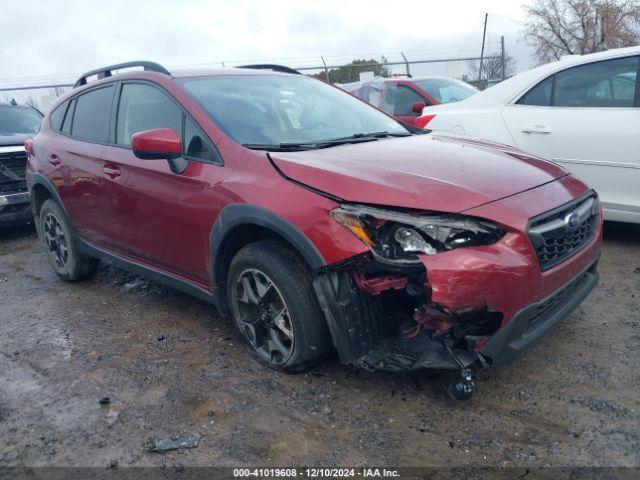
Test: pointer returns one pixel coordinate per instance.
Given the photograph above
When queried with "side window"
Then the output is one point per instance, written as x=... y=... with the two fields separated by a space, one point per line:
x=540 y=95
x=57 y=116
x=92 y=113
x=143 y=107
x=611 y=83
x=388 y=98
x=68 y=119
x=404 y=99
x=197 y=145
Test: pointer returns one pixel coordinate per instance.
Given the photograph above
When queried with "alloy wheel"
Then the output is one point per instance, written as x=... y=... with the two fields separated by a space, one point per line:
x=56 y=240
x=263 y=316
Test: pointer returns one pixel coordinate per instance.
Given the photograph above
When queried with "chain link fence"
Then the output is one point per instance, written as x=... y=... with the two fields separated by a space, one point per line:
x=41 y=97
x=480 y=71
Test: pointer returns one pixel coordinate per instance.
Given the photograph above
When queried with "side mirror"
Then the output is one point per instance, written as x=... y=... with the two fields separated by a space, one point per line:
x=417 y=107
x=156 y=144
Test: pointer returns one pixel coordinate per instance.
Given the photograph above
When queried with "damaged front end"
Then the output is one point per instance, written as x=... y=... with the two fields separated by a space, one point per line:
x=382 y=317
x=420 y=299
x=379 y=305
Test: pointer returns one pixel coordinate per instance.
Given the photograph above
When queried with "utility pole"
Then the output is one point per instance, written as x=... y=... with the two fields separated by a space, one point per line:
x=484 y=36
x=406 y=64
x=503 y=58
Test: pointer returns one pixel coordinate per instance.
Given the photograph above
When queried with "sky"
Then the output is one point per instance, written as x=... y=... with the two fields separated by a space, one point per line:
x=55 y=39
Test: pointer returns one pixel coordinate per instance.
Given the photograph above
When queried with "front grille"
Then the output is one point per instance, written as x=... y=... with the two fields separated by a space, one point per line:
x=12 y=172
x=563 y=232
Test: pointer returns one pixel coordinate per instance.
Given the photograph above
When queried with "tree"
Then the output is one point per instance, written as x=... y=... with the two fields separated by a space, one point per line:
x=59 y=90
x=491 y=68
x=351 y=71
x=32 y=102
x=577 y=27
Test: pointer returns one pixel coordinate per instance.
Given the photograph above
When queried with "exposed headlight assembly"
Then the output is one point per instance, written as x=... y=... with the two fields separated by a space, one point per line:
x=398 y=237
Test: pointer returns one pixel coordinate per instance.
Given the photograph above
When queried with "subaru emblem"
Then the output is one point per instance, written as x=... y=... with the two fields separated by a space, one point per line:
x=571 y=220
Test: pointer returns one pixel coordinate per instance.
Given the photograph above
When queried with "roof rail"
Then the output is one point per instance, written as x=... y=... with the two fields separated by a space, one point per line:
x=271 y=66
x=105 y=72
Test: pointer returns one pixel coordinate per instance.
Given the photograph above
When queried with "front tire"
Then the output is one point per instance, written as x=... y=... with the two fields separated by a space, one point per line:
x=56 y=234
x=274 y=307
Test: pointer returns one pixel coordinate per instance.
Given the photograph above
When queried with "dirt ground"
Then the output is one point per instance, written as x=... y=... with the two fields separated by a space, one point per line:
x=170 y=365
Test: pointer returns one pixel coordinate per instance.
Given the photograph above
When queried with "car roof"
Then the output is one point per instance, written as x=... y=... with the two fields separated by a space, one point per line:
x=511 y=89
x=172 y=75
x=214 y=72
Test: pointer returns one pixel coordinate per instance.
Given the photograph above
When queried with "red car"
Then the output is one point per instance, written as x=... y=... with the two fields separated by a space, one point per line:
x=312 y=219
x=405 y=97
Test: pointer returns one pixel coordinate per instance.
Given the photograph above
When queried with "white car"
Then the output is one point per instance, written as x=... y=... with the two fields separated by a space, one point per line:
x=582 y=112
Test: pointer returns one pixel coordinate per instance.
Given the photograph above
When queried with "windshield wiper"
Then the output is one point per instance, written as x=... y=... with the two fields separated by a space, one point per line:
x=294 y=147
x=279 y=147
x=361 y=137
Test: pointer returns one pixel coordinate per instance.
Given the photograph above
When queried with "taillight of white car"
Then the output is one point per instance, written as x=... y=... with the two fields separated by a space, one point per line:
x=423 y=120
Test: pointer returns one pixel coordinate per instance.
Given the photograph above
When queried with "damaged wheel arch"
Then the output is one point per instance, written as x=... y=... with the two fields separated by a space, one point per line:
x=241 y=224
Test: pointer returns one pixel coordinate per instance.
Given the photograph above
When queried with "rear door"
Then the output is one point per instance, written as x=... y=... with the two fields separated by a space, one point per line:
x=587 y=119
x=75 y=157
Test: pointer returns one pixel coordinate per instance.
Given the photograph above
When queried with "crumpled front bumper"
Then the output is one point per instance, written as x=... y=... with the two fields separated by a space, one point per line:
x=503 y=280
x=536 y=320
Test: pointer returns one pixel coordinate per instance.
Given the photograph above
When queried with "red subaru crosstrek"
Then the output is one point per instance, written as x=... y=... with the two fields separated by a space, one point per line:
x=312 y=219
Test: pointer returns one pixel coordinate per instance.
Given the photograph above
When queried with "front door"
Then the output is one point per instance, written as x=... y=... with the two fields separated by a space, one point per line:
x=402 y=97
x=141 y=194
x=148 y=213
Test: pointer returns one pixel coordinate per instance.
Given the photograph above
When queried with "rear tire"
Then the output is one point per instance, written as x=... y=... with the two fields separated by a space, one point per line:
x=274 y=307
x=55 y=232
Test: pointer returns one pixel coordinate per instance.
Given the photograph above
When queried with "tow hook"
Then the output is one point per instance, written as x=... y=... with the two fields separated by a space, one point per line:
x=461 y=388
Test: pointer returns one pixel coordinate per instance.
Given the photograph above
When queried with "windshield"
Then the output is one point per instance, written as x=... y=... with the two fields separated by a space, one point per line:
x=446 y=91
x=19 y=120
x=278 y=109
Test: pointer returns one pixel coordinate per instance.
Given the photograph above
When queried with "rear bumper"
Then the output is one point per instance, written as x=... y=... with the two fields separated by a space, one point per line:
x=534 y=321
x=15 y=209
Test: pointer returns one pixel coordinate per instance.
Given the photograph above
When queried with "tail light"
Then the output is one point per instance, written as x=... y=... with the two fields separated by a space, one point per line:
x=423 y=120
x=28 y=146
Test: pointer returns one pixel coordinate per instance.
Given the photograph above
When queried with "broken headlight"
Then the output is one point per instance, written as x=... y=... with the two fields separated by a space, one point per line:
x=398 y=237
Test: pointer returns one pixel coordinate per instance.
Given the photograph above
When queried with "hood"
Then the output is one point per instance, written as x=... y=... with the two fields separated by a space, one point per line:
x=428 y=172
x=13 y=140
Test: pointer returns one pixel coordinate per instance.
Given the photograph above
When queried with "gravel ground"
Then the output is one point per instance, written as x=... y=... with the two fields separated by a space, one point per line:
x=169 y=365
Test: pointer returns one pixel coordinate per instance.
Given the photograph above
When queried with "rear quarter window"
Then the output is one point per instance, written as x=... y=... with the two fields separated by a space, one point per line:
x=68 y=118
x=92 y=113
x=57 y=116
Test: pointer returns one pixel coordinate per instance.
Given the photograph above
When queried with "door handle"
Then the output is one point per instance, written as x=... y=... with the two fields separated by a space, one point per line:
x=112 y=172
x=536 y=129
x=53 y=159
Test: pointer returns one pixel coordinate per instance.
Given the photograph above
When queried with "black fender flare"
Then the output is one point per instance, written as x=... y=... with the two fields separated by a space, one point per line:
x=40 y=179
x=237 y=215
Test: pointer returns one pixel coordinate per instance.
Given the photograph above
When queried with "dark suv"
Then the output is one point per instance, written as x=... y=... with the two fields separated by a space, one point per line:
x=312 y=219
x=17 y=124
